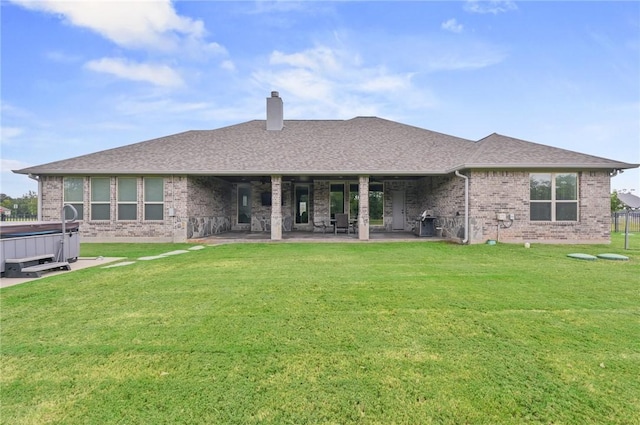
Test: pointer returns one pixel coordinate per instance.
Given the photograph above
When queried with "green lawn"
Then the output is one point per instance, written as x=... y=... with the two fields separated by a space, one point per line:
x=286 y=333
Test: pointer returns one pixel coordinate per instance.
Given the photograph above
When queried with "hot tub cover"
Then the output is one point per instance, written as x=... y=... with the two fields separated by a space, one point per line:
x=20 y=229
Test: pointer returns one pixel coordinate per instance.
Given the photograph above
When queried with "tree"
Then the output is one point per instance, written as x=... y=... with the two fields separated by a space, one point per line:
x=26 y=205
x=7 y=201
x=616 y=204
x=30 y=203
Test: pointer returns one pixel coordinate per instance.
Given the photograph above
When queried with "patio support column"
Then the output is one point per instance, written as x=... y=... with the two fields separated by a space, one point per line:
x=276 y=208
x=363 y=209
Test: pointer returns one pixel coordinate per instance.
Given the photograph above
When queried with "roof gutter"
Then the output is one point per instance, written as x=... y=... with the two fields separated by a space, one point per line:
x=248 y=173
x=466 y=206
x=537 y=166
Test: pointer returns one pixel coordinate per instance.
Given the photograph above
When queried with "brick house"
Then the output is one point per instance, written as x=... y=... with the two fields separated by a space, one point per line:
x=279 y=175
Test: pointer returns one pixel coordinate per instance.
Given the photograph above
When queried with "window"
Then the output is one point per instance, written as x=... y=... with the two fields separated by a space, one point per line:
x=376 y=203
x=553 y=196
x=127 y=198
x=337 y=199
x=100 y=198
x=354 y=200
x=74 y=195
x=302 y=204
x=244 y=204
x=154 y=198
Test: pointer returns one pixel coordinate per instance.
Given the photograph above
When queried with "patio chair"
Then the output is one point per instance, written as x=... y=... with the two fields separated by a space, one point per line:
x=342 y=223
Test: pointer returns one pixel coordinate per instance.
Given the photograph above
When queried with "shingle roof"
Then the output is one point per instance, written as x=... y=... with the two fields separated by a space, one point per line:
x=362 y=145
x=629 y=200
x=497 y=151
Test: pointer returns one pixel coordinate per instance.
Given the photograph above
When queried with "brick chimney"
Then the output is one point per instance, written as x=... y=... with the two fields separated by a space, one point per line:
x=275 y=112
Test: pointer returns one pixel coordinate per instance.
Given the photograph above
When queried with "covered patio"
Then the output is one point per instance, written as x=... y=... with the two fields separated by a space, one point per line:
x=315 y=237
x=304 y=207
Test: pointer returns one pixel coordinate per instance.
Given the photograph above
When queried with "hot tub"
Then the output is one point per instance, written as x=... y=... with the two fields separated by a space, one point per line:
x=31 y=239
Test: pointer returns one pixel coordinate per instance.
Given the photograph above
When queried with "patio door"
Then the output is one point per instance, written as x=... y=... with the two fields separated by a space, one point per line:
x=244 y=204
x=302 y=204
x=398 y=210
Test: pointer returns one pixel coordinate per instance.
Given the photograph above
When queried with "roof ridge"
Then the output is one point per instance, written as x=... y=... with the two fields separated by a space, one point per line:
x=478 y=145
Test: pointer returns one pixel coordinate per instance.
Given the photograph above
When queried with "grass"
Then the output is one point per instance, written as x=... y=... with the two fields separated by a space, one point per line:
x=378 y=333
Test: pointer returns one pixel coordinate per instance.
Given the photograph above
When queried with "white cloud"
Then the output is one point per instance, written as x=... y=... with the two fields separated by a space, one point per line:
x=62 y=57
x=228 y=65
x=9 y=109
x=318 y=59
x=8 y=133
x=418 y=55
x=7 y=165
x=132 y=24
x=15 y=185
x=325 y=82
x=304 y=83
x=136 y=107
x=468 y=58
x=452 y=25
x=159 y=75
x=492 y=6
x=312 y=74
x=385 y=83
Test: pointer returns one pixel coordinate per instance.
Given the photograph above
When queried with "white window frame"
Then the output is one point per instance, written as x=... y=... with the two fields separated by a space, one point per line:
x=148 y=202
x=100 y=202
x=129 y=202
x=553 y=201
x=74 y=202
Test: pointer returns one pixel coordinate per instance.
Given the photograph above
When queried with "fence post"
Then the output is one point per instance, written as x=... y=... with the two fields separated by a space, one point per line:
x=626 y=229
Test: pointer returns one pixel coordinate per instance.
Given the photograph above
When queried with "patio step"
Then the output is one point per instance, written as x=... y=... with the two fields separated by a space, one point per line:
x=36 y=271
x=33 y=266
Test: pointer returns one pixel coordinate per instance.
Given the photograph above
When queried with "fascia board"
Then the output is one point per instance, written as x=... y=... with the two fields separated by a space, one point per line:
x=532 y=166
x=58 y=172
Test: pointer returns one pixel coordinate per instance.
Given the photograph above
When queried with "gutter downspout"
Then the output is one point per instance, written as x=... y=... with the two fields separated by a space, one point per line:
x=37 y=178
x=466 y=206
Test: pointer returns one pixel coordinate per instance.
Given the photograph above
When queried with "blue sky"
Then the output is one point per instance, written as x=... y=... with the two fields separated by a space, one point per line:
x=83 y=76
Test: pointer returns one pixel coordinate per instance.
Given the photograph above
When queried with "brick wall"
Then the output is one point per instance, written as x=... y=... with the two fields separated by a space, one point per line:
x=201 y=206
x=171 y=229
x=412 y=204
x=508 y=192
x=208 y=208
x=52 y=197
x=261 y=214
x=321 y=203
x=443 y=197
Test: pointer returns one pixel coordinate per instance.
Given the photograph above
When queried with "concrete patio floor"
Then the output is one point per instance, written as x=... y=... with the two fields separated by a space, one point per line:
x=298 y=236
x=82 y=263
